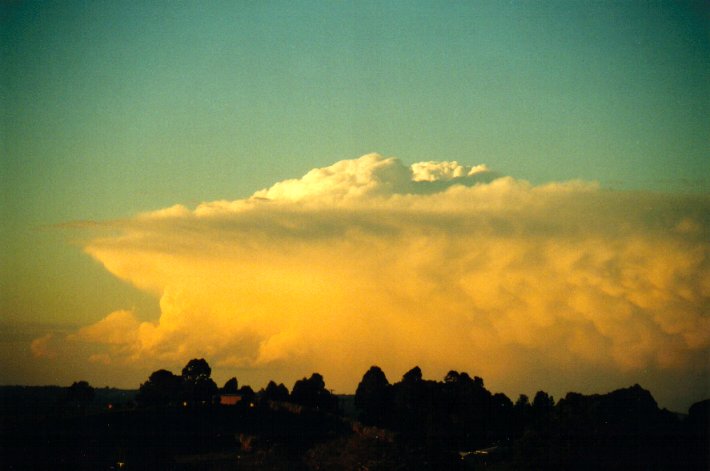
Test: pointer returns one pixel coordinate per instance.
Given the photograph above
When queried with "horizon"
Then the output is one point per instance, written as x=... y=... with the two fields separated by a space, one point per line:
x=258 y=390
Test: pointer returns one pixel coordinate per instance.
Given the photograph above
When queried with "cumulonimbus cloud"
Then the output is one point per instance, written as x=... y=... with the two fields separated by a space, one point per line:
x=438 y=264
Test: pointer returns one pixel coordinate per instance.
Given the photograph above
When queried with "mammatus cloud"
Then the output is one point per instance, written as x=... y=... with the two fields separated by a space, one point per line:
x=438 y=264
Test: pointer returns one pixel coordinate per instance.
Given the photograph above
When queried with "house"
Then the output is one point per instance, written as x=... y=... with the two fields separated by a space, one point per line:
x=229 y=399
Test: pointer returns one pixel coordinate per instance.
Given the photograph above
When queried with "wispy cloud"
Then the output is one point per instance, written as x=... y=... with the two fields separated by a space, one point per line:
x=370 y=261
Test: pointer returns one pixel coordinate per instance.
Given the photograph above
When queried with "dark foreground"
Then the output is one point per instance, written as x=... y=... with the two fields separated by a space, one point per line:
x=620 y=430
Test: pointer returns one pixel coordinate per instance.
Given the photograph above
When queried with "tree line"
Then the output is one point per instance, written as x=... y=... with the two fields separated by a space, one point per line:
x=623 y=429
x=457 y=416
x=195 y=386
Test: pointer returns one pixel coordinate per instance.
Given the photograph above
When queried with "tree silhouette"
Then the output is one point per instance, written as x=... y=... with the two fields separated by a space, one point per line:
x=247 y=394
x=311 y=392
x=80 y=392
x=467 y=407
x=231 y=386
x=521 y=414
x=697 y=429
x=412 y=376
x=428 y=424
x=501 y=417
x=699 y=417
x=373 y=397
x=162 y=387
x=195 y=369
x=542 y=410
x=412 y=399
x=274 y=392
x=451 y=377
x=197 y=384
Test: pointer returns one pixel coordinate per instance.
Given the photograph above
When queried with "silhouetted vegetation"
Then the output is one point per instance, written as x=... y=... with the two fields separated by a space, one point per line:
x=311 y=392
x=231 y=386
x=623 y=429
x=374 y=398
x=162 y=387
x=80 y=392
x=274 y=392
x=186 y=423
x=196 y=382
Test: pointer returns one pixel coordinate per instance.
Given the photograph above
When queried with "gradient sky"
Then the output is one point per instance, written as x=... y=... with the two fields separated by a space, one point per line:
x=109 y=109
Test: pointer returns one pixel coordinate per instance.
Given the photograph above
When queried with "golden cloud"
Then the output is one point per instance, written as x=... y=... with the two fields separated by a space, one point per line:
x=440 y=265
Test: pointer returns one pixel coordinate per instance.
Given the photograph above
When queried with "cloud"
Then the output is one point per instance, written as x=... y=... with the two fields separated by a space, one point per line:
x=440 y=265
x=41 y=347
x=444 y=171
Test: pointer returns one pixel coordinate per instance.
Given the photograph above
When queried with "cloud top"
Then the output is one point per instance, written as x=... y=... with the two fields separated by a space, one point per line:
x=437 y=264
x=372 y=176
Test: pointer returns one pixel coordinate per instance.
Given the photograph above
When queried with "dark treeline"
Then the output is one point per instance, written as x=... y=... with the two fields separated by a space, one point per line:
x=623 y=429
x=187 y=422
x=196 y=387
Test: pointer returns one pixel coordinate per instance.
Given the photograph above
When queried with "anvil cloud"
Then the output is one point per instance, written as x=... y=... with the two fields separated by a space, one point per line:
x=446 y=266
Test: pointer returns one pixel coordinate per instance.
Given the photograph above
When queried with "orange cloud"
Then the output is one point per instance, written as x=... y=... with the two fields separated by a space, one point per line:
x=41 y=347
x=438 y=264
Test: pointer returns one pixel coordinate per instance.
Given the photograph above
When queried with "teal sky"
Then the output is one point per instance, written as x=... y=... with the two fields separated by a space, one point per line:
x=112 y=108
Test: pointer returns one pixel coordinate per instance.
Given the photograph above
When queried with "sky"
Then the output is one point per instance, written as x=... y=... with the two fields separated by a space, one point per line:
x=518 y=190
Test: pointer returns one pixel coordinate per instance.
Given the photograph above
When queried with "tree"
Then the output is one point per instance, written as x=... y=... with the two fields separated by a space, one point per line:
x=274 y=392
x=247 y=394
x=197 y=384
x=543 y=401
x=466 y=407
x=201 y=389
x=311 y=392
x=412 y=376
x=162 y=387
x=80 y=392
x=501 y=416
x=374 y=397
x=698 y=419
x=231 y=386
x=452 y=377
x=195 y=369
x=697 y=426
x=522 y=402
x=411 y=402
x=521 y=414
x=541 y=410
